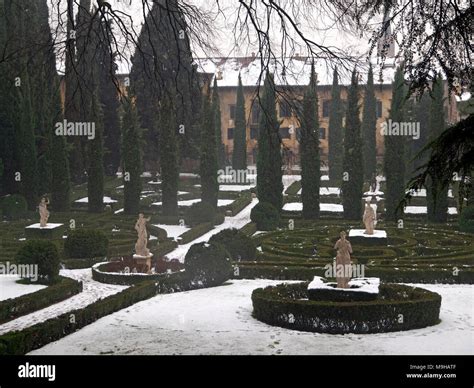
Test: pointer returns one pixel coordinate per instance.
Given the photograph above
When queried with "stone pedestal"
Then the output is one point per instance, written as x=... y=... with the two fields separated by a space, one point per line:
x=143 y=260
x=359 y=237
x=49 y=232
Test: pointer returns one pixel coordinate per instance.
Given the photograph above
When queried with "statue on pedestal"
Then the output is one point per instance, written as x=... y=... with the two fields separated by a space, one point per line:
x=141 y=245
x=343 y=261
x=44 y=212
x=369 y=219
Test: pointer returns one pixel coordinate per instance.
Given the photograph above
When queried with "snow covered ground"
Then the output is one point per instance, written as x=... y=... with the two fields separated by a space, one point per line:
x=238 y=221
x=9 y=288
x=324 y=207
x=219 y=321
x=424 y=209
x=92 y=291
x=235 y=187
x=173 y=231
x=189 y=202
x=326 y=191
x=107 y=200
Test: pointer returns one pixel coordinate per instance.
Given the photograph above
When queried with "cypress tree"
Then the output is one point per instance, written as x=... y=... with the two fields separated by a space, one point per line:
x=131 y=157
x=369 y=128
x=108 y=94
x=208 y=160
x=239 y=154
x=95 y=173
x=309 y=151
x=269 y=160
x=335 y=135
x=216 y=107
x=394 y=158
x=169 y=155
x=353 y=181
x=422 y=116
x=436 y=196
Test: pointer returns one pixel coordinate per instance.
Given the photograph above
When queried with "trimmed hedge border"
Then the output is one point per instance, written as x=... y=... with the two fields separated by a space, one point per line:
x=239 y=204
x=81 y=263
x=402 y=275
x=41 y=334
x=26 y=304
x=122 y=279
x=398 y=308
x=195 y=232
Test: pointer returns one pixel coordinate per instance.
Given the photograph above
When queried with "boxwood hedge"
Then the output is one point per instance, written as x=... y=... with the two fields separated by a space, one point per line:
x=397 y=308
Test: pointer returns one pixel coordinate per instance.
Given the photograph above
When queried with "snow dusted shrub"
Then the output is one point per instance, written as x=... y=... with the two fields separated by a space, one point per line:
x=85 y=244
x=266 y=216
x=199 y=213
x=466 y=220
x=240 y=246
x=44 y=254
x=208 y=263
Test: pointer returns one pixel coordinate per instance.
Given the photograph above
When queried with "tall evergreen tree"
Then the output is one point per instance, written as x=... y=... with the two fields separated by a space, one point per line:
x=216 y=107
x=422 y=116
x=108 y=94
x=164 y=60
x=436 y=195
x=239 y=154
x=131 y=157
x=369 y=128
x=309 y=151
x=335 y=135
x=208 y=160
x=394 y=158
x=269 y=160
x=95 y=172
x=169 y=155
x=353 y=162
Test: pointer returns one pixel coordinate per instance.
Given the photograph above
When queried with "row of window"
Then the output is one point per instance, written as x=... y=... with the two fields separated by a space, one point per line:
x=286 y=110
x=285 y=133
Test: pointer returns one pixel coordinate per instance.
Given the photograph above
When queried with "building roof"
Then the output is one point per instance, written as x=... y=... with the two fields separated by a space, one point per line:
x=294 y=72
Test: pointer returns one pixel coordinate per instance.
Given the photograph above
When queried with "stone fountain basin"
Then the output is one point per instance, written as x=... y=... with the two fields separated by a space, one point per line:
x=360 y=289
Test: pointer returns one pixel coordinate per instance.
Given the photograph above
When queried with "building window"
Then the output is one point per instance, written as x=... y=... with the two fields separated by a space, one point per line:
x=285 y=109
x=232 y=112
x=378 y=108
x=285 y=133
x=255 y=113
x=326 y=108
x=322 y=133
x=230 y=133
x=254 y=132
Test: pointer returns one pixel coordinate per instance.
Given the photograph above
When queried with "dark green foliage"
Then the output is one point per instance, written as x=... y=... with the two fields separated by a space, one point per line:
x=196 y=231
x=200 y=212
x=95 y=172
x=436 y=194
x=14 y=206
x=369 y=128
x=240 y=203
x=466 y=220
x=419 y=308
x=168 y=155
x=335 y=135
x=45 y=255
x=269 y=160
x=239 y=245
x=86 y=244
x=394 y=157
x=309 y=151
x=208 y=158
x=131 y=158
x=352 y=187
x=13 y=308
x=208 y=263
x=216 y=107
x=265 y=216
x=239 y=153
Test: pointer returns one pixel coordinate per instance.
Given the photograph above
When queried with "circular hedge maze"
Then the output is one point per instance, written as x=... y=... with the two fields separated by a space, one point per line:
x=397 y=307
x=417 y=253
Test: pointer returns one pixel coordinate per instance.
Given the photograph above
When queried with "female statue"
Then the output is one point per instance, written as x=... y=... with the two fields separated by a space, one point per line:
x=43 y=211
x=343 y=261
x=141 y=245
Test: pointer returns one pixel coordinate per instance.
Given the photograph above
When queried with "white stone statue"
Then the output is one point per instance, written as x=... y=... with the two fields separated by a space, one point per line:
x=44 y=212
x=343 y=261
x=141 y=245
x=369 y=219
